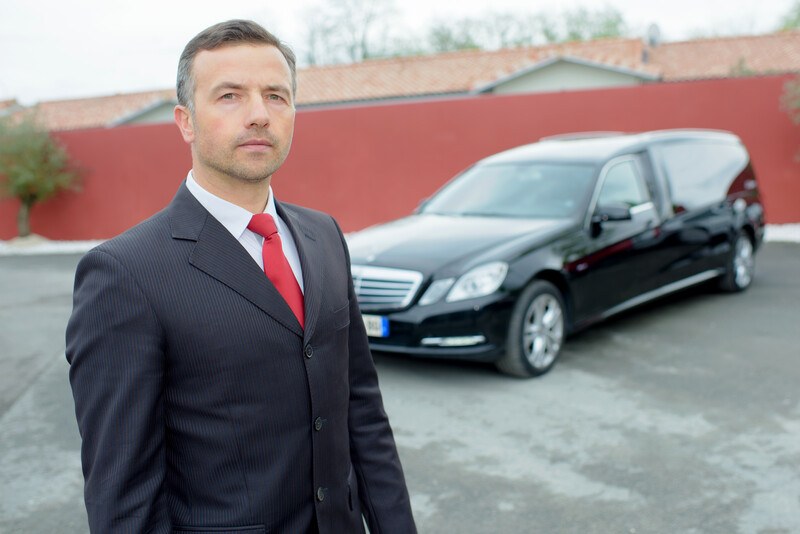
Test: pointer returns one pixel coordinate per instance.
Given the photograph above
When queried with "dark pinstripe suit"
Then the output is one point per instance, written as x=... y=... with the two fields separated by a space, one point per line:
x=202 y=404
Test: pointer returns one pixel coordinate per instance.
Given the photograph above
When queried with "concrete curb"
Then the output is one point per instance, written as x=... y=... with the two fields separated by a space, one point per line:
x=37 y=245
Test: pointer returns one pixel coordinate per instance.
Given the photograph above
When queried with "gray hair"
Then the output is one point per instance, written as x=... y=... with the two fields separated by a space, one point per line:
x=226 y=33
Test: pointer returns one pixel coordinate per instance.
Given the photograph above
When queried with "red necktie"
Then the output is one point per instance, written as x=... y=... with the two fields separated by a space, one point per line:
x=276 y=266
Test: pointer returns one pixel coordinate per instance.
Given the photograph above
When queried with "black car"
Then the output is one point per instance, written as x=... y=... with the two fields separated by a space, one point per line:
x=534 y=243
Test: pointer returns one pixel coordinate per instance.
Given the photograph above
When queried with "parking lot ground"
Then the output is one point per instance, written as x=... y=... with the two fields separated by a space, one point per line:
x=682 y=417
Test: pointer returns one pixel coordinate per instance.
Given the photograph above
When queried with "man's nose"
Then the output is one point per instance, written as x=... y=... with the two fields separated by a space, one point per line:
x=257 y=113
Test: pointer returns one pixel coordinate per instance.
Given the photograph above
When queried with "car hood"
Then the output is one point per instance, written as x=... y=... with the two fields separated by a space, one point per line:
x=427 y=243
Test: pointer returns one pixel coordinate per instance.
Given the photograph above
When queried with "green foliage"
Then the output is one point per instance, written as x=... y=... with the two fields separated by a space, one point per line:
x=741 y=69
x=504 y=30
x=790 y=99
x=443 y=37
x=340 y=31
x=791 y=20
x=581 y=24
x=354 y=30
x=33 y=166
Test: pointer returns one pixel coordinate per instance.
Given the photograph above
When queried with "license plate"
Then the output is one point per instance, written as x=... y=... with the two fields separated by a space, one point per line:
x=376 y=325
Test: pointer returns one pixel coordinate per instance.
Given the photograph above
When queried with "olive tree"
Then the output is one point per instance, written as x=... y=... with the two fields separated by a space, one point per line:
x=33 y=166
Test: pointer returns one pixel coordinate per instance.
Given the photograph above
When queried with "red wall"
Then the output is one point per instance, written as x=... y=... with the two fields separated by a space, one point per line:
x=372 y=163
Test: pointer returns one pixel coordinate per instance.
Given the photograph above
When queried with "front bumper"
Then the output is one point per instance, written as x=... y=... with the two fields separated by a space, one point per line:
x=479 y=326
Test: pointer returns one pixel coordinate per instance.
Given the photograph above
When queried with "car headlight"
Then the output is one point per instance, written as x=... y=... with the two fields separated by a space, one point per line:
x=478 y=282
x=436 y=291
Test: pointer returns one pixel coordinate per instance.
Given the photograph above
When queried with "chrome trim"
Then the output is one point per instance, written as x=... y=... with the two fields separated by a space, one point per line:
x=384 y=288
x=664 y=290
x=454 y=341
x=641 y=208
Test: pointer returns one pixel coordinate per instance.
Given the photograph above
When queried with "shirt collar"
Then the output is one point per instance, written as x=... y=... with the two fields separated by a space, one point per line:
x=234 y=218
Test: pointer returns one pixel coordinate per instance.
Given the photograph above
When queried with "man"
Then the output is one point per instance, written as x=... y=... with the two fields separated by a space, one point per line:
x=212 y=395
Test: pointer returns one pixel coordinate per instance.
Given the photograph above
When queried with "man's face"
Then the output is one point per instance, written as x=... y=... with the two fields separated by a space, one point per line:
x=243 y=120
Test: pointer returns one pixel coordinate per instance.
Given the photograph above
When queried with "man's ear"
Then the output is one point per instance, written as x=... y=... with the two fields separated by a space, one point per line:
x=183 y=118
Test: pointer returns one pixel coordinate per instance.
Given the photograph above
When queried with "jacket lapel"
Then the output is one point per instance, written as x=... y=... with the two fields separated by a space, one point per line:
x=311 y=261
x=218 y=254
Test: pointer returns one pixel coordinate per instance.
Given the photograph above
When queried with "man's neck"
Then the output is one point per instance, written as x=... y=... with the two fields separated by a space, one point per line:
x=250 y=196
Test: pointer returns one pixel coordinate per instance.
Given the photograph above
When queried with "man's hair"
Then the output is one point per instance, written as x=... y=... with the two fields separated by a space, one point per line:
x=227 y=33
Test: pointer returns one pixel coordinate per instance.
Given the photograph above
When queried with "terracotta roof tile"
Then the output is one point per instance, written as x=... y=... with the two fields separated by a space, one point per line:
x=6 y=104
x=729 y=56
x=465 y=71
x=453 y=72
x=96 y=112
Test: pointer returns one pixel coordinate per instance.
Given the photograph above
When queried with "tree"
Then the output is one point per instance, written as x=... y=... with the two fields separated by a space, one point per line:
x=581 y=24
x=790 y=99
x=319 y=35
x=33 y=166
x=791 y=20
x=348 y=31
x=448 y=37
x=354 y=30
x=493 y=31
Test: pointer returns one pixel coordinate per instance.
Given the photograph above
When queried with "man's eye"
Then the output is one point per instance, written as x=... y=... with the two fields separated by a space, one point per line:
x=275 y=97
x=228 y=96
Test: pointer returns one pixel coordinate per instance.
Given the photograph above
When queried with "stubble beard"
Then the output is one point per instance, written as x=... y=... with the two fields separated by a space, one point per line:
x=258 y=169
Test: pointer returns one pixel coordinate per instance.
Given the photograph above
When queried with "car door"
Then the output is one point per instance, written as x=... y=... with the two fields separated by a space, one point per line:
x=614 y=261
x=697 y=229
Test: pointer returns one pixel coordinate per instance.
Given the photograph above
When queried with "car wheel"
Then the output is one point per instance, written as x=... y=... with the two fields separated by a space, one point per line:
x=741 y=265
x=535 y=331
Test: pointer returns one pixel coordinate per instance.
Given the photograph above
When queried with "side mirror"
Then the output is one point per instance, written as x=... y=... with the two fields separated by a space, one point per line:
x=609 y=212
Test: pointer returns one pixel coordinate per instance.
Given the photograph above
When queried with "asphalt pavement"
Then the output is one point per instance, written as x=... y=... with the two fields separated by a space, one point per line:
x=682 y=417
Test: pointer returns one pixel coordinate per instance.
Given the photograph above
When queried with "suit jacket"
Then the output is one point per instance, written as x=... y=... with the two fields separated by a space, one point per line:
x=204 y=406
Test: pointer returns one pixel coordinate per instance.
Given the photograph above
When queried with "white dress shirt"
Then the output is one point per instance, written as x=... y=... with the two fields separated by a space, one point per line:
x=236 y=219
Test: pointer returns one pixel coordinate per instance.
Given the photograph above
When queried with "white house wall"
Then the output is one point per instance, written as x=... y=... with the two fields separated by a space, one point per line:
x=158 y=114
x=564 y=76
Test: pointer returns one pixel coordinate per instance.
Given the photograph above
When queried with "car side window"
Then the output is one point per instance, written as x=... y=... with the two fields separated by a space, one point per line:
x=701 y=173
x=623 y=185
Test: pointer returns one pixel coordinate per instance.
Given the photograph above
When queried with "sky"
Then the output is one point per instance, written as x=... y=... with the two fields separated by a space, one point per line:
x=59 y=49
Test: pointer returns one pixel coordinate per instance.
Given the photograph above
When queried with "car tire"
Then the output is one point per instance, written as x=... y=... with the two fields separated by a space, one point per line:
x=536 y=331
x=741 y=265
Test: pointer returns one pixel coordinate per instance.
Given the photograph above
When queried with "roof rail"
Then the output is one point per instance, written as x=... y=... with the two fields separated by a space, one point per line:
x=579 y=135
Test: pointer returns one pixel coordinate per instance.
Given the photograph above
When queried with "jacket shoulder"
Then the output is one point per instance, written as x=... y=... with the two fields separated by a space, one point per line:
x=311 y=217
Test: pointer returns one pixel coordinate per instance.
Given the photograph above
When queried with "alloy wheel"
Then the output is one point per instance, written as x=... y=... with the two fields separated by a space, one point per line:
x=543 y=331
x=743 y=262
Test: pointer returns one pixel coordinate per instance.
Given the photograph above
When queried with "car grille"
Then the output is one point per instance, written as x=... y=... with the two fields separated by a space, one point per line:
x=383 y=288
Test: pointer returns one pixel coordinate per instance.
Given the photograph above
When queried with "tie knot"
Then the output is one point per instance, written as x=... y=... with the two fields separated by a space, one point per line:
x=263 y=224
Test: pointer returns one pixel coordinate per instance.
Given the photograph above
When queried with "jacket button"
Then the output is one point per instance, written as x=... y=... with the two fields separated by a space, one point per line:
x=320 y=494
x=308 y=351
x=318 y=424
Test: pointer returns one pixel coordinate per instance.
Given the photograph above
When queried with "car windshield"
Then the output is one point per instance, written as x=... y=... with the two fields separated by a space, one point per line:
x=527 y=190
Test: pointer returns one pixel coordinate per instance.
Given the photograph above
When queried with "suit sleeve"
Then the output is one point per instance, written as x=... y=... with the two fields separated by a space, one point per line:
x=116 y=356
x=381 y=485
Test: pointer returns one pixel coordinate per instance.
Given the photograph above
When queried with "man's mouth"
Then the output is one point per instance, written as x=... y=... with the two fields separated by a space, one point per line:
x=256 y=144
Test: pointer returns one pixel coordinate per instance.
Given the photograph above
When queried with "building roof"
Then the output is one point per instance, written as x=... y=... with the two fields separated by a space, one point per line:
x=642 y=75
x=97 y=111
x=468 y=71
x=463 y=72
x=453 y=72
x=8 y=106
x=723 y=57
